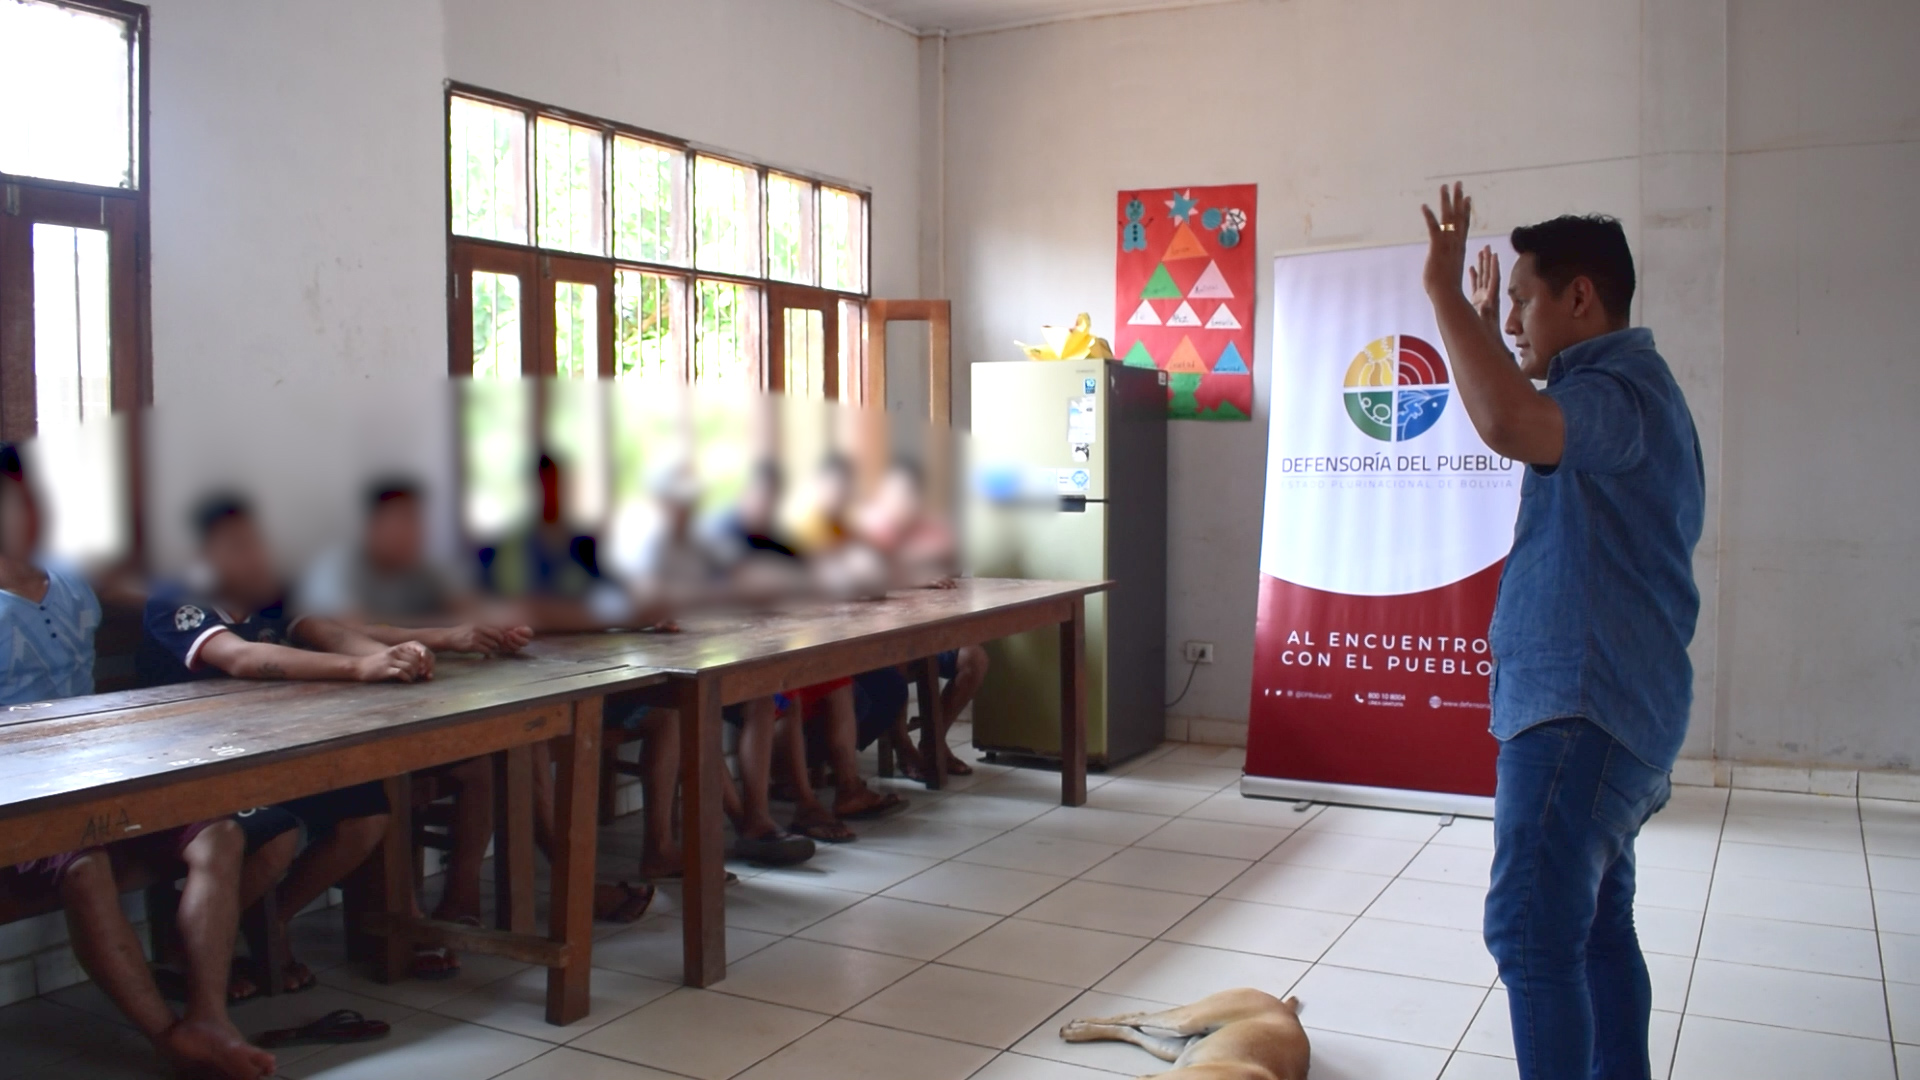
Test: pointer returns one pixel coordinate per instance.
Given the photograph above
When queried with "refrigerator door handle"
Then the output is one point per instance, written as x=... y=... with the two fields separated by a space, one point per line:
x=1073 y=504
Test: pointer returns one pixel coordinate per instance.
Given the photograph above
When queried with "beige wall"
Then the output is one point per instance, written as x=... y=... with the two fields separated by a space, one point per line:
x=1820 y=598
x=1347 y=116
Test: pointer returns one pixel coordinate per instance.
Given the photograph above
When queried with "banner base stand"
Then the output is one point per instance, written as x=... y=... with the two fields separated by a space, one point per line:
x=1379 y=798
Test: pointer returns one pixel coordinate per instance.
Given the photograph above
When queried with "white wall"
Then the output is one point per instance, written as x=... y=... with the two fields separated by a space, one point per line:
x=298 y=249
x=1820 y=602
x=1347 y=116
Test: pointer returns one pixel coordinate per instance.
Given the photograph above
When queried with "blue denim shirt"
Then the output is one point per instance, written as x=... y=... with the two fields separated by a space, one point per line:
x=1597 y=602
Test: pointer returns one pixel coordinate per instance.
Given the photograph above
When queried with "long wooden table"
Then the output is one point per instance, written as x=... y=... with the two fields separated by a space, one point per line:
x=92 y=770
x=719 y=659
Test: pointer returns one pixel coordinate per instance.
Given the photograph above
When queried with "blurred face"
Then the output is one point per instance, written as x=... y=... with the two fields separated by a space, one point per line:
x=19 y=521
x=395 y=534
x=1542 y=324
x=242 y=567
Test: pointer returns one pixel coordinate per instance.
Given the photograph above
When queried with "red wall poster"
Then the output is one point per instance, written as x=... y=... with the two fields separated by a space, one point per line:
x=1183 y=295
x=1386 y=525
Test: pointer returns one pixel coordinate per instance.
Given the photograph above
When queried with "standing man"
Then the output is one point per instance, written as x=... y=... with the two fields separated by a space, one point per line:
x=1591 y=683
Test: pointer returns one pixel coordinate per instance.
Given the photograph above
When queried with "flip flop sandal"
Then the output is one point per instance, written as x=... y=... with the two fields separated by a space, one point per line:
x=633 y=904
x=826 y=831
x=334 y=1029
x=303 y=978
x=777 y=848
x=440 y=964
x=884 y=807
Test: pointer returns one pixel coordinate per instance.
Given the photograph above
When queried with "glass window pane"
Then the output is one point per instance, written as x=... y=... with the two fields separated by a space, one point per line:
x=67 y=79
x=576 y=438
x=649 y=202
x=576 y=340
x=843 y=240
x=726 y=199
x=488 y=170
x=727 y=336
x=571 y=184
x=790 y=233
x=496 y=326
x=72 y=347
x=805 y=359
x=648 y=341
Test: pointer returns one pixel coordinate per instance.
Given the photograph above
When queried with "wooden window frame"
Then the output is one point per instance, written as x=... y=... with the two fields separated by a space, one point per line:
x=467 y=254
x=26 y=201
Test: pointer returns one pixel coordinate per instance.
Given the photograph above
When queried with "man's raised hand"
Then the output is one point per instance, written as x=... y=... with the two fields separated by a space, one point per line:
x=408 y=661
x=1447 y=241
x=1484 y=278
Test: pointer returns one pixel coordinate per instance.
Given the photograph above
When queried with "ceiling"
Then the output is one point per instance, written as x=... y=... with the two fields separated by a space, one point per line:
x=980 y=16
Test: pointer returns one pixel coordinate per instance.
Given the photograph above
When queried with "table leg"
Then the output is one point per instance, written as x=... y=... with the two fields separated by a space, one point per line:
x=575 y=827
x=702 y=841
x=933 y=758
x=1073 y=705
x=394 y=959
x=513 y=839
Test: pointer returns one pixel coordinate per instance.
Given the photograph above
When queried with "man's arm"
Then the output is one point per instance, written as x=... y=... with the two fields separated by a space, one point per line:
x=466 y=637
x=1513 y=418
x=258 y=660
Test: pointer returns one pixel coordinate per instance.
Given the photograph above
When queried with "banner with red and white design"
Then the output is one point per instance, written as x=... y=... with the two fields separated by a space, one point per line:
x=1387 y=523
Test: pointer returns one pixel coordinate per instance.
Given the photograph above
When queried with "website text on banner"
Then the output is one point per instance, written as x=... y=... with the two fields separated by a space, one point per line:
x=1387 y=523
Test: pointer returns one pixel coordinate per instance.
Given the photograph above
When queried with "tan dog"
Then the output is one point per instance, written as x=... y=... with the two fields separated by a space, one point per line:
x=1232 y=1035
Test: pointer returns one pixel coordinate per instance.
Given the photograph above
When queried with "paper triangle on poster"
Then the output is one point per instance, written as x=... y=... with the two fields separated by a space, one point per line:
x=1144 y=315
x=1223 y=320
x=1160 y=286
x=1138 y=356
x=1185 y=245
x=1230 y=362
x=1184 y=316
x=1186 y=359
x=1211 y=286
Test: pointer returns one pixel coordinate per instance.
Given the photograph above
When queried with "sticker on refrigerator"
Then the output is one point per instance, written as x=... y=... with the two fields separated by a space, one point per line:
x=1073 y=481
x=1082 y=452
x=1091 y=385
x=1080 y=415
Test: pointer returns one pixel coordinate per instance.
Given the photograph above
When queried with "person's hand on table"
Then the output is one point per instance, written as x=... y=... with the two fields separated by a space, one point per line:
x=493 y=640
x=407 y=662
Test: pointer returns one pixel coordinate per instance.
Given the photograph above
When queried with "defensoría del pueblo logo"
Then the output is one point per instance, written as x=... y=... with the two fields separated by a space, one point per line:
x=1396 y=388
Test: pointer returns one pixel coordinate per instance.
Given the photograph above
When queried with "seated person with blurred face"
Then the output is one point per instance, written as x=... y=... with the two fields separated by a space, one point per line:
x=48 y=616
x=384 y=587
x=232 y=622
x=550 y=577
x=921 y=553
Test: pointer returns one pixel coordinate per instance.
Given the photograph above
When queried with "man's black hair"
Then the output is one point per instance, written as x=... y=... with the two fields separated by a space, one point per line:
x=218 y=507
x=389 y=488
x=10 y=466
x=1592 y=246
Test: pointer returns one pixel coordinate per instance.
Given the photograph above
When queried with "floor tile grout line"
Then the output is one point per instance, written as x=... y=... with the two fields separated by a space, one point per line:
x=1879 y=943
x=1679 y=1031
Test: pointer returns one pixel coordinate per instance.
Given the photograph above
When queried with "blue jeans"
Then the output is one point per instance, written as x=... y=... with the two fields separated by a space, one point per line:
x=1559 y=922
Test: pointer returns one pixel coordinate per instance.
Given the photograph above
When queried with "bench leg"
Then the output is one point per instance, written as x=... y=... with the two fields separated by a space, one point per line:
x=576 y=837
x=513 y=839
x=394 y=955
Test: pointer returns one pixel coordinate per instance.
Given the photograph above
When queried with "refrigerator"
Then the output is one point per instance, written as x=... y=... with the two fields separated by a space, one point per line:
x=1068 y=461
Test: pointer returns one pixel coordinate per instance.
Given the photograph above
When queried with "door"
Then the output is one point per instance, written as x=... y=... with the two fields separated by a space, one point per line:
x=576 y=306
x=803 y=350
x=493 y=333
x=68 y=311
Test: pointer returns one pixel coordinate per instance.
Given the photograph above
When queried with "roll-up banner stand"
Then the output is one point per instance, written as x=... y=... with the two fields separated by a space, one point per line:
x=1387 y=523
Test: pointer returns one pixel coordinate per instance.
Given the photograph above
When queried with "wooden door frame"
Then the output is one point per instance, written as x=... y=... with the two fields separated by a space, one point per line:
x=578 y=270
x=522 y=263
x=938 y=315
x=782 y=298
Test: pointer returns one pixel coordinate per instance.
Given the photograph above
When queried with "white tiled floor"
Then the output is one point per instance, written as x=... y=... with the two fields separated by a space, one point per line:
x=1782 y=932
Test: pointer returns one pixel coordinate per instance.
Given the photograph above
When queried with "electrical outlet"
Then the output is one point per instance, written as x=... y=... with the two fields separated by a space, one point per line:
x=1199 y=652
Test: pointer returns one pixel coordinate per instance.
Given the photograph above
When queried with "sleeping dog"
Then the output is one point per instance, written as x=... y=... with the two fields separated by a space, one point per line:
x=1233 y=1035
